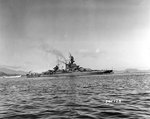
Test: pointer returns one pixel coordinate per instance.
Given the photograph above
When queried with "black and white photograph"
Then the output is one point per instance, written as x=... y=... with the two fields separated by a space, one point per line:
x=74 y=59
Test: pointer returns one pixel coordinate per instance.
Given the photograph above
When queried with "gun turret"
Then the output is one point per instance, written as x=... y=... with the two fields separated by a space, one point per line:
x=56 y=68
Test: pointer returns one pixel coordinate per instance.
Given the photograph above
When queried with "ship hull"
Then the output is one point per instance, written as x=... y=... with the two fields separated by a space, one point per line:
x=70 y=74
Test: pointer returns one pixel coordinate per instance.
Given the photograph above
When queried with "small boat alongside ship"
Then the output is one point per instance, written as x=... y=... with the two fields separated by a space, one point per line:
x=71 y=69
x=17 y=76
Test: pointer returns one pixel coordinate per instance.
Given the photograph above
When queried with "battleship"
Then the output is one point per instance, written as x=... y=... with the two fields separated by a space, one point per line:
x=71 y=69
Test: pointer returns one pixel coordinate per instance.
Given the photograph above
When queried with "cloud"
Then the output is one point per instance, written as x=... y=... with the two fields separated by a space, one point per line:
x=89 y=53
x=97 y=50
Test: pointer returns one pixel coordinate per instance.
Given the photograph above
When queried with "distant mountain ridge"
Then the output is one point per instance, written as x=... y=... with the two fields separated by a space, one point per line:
x=3 y=74
x=6 y=71
x=130 y=70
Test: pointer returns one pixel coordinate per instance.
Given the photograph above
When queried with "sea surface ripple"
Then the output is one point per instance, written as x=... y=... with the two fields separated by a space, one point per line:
x=87 y=97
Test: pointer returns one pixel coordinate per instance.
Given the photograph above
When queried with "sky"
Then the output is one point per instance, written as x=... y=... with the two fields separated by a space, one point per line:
x=100 y=34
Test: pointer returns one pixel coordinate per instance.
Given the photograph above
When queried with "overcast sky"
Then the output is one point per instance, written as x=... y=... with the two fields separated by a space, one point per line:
x=101 y=34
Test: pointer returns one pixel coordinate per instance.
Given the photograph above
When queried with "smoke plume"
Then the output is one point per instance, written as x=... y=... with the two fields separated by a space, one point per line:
x=58 y=55
x=46 y=48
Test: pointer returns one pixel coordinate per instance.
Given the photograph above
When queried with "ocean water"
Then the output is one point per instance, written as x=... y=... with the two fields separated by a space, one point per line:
x=114 y=96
